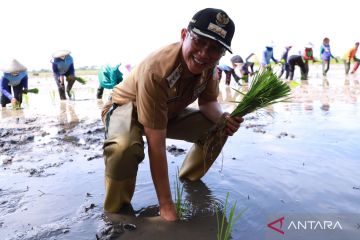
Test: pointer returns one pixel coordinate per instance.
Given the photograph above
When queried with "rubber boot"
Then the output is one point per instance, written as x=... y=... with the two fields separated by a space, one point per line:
x=62 y=93
x=203 y=154
x=70 y=83
x=122 y=154
x=99 y=93
x=68 y=93
x=356 y=65
x=347 y=67
x=115 y=199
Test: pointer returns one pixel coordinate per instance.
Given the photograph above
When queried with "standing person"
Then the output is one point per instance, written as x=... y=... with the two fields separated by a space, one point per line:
x=349 y=56
x=153 y=101
x=63 y=69
x=284 y=62
x=308 y=55
x=13 y=83
x=326 y=55
x=268 y=55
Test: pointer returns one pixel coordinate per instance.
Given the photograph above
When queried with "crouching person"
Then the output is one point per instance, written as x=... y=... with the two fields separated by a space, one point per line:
x=13 y=83
x=63 y=69
x=153 y=101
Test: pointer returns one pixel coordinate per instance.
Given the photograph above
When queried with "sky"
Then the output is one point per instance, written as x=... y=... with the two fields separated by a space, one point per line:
x=101 y=32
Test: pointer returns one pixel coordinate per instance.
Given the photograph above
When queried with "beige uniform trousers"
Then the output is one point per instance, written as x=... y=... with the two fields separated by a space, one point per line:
x=124 y=150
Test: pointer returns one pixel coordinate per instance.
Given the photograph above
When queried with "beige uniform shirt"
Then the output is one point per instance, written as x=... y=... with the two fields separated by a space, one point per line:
x=159 y=90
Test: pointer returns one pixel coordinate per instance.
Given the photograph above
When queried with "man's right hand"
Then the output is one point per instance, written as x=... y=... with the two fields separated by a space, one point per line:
x=156 y=139
x=168 y=212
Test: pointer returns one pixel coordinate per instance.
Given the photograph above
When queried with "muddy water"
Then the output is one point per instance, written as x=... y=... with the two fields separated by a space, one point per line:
x=297 y=157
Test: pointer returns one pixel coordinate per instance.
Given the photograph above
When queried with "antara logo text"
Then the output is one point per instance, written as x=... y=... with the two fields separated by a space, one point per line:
x=278 y=224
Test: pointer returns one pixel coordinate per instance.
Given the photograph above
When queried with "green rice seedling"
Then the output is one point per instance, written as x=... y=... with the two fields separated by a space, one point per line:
x=16 y=106
x=72 y=94
x=293 y=84
x=26 y=99
x=265 y=89
x=52 y=96
x=181 y=207
x=80 y=80
x=224 y=229
x=33 y=90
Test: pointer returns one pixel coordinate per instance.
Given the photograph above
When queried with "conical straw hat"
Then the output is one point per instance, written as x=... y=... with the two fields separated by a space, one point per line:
x=308 y=45
x=60 y=53
x=13 y=66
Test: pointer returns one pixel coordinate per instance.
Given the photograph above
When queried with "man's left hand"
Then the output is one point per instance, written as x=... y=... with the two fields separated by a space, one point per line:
x=232 y=124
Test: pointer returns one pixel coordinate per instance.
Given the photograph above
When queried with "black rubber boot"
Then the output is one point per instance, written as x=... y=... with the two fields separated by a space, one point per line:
x=62 y=93
x=99 y=93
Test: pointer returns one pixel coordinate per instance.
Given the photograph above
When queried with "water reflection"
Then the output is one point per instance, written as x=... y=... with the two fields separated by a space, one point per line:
x=100 y=103
x=200 y=198
x=12 y=113
x=201 y=213
x=324 y=96
x=349 y=93
x=67 y=117
x=304 y=82
x=202 y=203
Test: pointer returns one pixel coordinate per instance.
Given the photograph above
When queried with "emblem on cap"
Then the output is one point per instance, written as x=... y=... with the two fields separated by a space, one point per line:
x=222 y=19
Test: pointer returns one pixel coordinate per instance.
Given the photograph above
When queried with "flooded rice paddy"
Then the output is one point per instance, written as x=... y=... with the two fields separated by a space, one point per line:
x=300 y=157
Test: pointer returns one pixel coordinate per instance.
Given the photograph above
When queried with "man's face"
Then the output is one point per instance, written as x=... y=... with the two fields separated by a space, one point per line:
x=200 y=53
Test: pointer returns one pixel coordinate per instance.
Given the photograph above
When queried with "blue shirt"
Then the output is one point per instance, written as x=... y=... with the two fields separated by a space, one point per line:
x=63 y=67
x=224 y=67
x=267 y=56
x=325 y=52
x=8 y=80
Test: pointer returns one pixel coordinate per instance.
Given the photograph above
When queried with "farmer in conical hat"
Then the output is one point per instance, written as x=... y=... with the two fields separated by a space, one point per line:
x=308 y=55
x=153 y=101
x=268 y=55
x=13 y=83
x=284 y=61
x=63 y=69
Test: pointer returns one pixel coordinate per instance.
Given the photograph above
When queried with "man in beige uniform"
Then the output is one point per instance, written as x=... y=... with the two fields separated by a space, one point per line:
x=153 y=100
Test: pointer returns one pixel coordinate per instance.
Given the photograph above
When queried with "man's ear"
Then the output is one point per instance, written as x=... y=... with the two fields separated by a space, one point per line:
x=183 y=34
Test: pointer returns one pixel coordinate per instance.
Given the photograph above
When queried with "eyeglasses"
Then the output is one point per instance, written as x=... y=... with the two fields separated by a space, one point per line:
x=214 y=49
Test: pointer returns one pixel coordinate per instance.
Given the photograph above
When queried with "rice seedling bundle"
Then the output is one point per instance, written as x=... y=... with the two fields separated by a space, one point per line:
x=33 y=90
x=265 y=89
x=80 y=80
